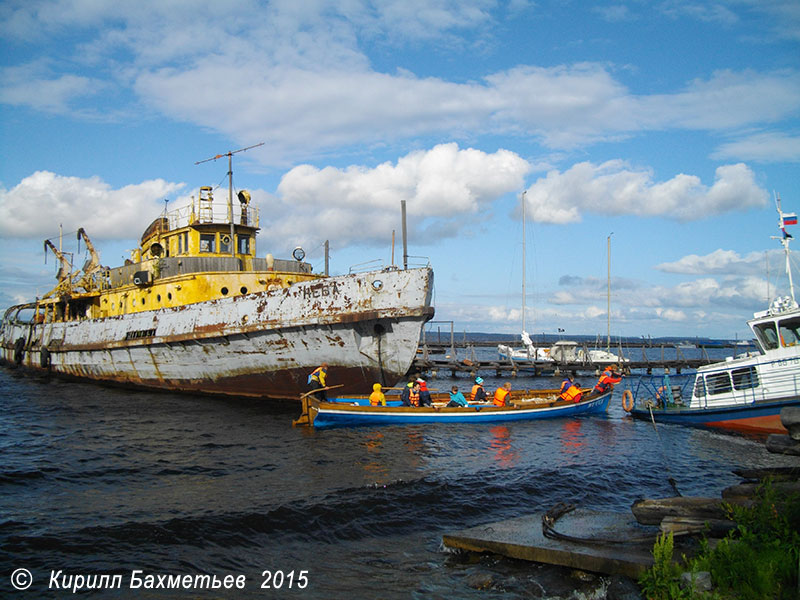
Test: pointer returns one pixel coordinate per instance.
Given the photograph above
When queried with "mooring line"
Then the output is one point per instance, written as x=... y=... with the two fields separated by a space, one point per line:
x=671 y=480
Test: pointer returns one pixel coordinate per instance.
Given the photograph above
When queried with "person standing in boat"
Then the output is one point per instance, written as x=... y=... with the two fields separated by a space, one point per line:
x=610 y=377
x=501 y=394
x=377 y=398
x=478 y=394
x=570 y=391
x=424 y=393
x=316 y=381
x=456 y=397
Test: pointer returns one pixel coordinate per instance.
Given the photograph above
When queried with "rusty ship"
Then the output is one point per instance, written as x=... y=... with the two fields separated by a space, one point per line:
x=195 y=310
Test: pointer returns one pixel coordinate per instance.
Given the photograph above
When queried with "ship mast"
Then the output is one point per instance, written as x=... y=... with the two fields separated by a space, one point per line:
x=784 y=239
x=230 y=154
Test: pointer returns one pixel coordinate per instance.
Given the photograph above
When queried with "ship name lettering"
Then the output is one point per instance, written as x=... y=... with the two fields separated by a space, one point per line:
x=330 y=289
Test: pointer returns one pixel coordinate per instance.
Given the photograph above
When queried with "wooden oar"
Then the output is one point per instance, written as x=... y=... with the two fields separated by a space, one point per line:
x=322 y=389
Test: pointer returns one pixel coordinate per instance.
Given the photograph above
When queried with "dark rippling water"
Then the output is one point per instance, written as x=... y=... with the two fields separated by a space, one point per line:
x=97 y=480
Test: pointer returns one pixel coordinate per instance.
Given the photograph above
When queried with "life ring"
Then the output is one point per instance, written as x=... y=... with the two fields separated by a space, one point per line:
x=627 y=401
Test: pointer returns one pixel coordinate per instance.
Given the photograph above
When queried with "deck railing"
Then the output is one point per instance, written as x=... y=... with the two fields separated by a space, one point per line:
x=212 y=211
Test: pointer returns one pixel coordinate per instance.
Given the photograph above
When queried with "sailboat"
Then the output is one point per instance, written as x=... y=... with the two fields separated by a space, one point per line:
x=529 y=353
x=563 y=351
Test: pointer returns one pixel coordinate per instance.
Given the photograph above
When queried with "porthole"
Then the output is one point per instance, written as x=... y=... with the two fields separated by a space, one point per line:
x=224 y=291
x=144 y=301
x=169 y=295
x=377 y=285
x=243 y=290
x=158 y=298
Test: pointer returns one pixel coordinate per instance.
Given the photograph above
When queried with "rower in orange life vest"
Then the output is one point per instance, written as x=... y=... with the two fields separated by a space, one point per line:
x=570 y=392
x=501 y=395
x=607 y=381
x=411 y=397
x=478 y=394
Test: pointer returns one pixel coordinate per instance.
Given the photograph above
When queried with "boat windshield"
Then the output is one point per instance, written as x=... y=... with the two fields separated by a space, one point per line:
x=790 y=331
x=767 y=335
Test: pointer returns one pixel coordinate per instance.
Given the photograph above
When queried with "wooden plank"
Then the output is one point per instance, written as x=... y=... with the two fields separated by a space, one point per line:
x=651 y=511
x=747 y=491
x=715 y=528
x=776 y=473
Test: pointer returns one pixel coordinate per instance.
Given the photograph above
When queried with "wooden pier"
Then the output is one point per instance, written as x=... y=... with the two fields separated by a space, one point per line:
x=460 y=360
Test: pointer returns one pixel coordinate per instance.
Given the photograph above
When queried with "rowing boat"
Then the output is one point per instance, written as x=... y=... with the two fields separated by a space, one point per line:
x=524 y=405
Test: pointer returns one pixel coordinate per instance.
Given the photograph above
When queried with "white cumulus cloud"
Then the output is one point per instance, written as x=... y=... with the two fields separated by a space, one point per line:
x=441 y=186
x=40 y=202
x=615 y=188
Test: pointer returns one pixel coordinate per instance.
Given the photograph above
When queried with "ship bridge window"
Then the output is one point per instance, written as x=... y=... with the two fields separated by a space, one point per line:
x=183 y=242
x=790 y=331
x=207 y=242
x=718 y=383
x=767 y=335
x=225 y=244
x=244 y=244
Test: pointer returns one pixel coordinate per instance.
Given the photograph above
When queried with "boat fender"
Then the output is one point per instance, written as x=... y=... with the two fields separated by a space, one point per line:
x=627 y=401
x=44 y=358
x=19 y=350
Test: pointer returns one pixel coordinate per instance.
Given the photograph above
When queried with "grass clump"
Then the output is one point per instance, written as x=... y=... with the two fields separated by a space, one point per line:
x=757 y=560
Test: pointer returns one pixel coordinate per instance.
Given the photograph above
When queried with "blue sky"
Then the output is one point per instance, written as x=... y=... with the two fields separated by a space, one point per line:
x=668 y=126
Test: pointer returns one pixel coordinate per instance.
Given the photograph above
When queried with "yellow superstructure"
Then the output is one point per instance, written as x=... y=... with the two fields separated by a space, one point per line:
x=197 y=253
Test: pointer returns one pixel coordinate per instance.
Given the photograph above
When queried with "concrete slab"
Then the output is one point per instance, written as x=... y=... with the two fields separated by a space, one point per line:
x=523 y=538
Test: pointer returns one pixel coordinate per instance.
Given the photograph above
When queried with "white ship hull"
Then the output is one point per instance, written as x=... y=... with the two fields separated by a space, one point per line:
x=365 y=326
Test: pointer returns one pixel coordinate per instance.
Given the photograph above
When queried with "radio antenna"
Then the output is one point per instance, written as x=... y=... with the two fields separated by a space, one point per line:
x=230 y=154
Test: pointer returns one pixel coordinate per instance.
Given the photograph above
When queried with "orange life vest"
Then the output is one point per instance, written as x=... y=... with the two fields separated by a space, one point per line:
x=474 y=391
x=413 y=398
x=572 y=394
x=500 y=397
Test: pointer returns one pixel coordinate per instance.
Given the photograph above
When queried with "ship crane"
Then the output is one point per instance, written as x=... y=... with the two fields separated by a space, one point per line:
x=64 y=271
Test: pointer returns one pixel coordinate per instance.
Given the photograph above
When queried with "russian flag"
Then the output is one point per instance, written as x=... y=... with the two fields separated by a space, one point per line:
x=789 y=219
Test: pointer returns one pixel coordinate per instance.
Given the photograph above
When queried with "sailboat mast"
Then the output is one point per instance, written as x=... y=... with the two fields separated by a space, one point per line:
x=523 y=261
x=608 y=292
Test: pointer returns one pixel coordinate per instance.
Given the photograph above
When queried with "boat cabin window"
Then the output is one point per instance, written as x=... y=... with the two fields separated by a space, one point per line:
x=207 y=242
x=790 y=331
x=244 y=244
x=767 y=335
x=225 y=244
x=700 y=387
x=745 y=378
x=718 y=383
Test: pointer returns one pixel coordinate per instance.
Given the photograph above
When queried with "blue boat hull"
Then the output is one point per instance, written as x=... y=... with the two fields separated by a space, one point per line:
x=344 y=413
x=756 y=417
